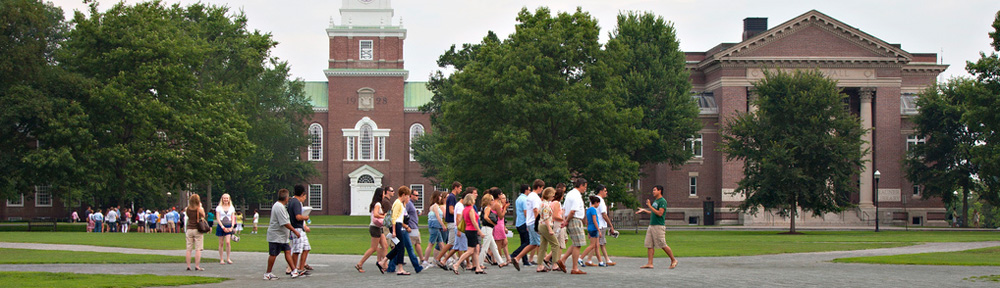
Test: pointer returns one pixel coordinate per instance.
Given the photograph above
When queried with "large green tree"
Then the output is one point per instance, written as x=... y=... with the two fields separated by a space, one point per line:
x=156 y=120
x=44 y=129
x=944 y=163
x=801 y=148
x=984 y=115
x=646 y=54
x=542 y=103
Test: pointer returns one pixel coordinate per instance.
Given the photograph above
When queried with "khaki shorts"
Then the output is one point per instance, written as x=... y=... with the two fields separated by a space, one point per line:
x=414 y=236
x=561 y=238
x=576 y=232
x=195 y=240
x=656 y=236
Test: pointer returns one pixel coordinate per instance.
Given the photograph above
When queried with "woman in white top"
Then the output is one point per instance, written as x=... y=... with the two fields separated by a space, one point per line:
x=225 y=215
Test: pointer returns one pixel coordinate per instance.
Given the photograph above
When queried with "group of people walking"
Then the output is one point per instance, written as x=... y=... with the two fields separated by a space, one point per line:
x=466 y=235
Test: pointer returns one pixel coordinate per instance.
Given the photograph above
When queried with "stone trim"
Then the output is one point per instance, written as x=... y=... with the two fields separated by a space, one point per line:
x=367 y=73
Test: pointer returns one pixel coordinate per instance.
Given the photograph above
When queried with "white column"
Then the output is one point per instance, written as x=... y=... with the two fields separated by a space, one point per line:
x=866 y=123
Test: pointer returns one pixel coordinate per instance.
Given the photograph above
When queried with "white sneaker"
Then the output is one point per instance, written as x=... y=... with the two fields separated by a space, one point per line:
x=296 y=273
x=580 y=262
x=425 y=264
x=270 y=276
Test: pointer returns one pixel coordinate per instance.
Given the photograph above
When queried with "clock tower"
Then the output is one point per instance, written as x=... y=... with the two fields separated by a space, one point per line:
x=368 y=142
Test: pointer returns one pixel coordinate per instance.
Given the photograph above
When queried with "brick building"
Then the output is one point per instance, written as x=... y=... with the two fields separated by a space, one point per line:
x=881 y=79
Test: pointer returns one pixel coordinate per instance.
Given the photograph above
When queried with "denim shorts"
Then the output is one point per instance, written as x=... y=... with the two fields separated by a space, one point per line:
x=533 y=237
x=437 y=236
x=461 y=244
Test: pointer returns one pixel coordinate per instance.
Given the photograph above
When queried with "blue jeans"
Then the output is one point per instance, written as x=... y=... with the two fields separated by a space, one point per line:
x=396 y=255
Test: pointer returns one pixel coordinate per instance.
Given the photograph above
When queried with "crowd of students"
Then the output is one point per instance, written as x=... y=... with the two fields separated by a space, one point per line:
x=554 y=225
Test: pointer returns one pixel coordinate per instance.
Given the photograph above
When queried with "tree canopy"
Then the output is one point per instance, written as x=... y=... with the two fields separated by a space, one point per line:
x=549 y=102
x=801 y=147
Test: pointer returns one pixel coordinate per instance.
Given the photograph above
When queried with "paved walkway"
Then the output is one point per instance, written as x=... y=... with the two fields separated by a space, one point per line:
x=783 y=270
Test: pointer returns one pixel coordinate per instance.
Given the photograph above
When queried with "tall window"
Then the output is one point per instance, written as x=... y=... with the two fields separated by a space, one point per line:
x=316 y=147
x=43 y=196
x=16 y=202
x=316 y=196
x=366 y=50
x=694 y=186
x=366 y=142
x=912 y=141
x=695 y=145
x=916 y=190
x=416 y=130
x=350 y=147
x=419 y=203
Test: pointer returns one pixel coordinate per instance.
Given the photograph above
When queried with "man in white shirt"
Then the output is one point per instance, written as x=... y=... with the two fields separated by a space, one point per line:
x=112 y=220
x=531 y=207
x=573 y=214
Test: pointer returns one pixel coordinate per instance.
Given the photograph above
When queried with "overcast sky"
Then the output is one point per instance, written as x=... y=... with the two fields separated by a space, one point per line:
x=958 y=28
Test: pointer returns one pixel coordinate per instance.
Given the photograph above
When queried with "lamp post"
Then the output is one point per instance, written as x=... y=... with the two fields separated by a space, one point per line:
x=877 y=175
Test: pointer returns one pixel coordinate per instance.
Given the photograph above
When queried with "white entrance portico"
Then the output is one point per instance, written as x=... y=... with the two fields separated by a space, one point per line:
x=364 y=180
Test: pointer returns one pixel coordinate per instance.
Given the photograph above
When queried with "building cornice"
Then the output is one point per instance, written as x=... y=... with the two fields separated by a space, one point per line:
x=355 y=31
x=367 y=73
x=925 y=68
x=321 y=109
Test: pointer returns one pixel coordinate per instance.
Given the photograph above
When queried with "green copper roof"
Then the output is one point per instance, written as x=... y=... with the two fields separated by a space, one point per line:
x=415 y=94
x=317 y=92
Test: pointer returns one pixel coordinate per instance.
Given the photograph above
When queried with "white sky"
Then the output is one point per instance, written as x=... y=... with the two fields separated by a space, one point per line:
x=958 y=28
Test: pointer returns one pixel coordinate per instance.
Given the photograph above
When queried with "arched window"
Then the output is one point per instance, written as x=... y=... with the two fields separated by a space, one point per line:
x=366 y=179
x=316 y=146
x=416 y=130
x=366 y=142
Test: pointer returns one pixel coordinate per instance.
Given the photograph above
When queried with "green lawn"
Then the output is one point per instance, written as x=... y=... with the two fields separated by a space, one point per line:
x=353 y=241
x=31 y=256
x=46 y=279
x=987 y=278
x=975 y=257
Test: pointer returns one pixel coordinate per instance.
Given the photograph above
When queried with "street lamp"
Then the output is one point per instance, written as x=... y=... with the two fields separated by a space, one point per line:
x=877 y=175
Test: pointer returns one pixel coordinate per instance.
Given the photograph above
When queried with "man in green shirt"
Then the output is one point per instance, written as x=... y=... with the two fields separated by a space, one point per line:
x=656 y=232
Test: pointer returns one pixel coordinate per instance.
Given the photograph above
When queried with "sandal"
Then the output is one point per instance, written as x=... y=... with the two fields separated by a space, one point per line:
x=229 y=261
x=309 y=267
x=380 y=268
x=189 y=269
x=358 y=267
x=199 y=269
x=402 y=273
x=480 y=272
x=454 y=268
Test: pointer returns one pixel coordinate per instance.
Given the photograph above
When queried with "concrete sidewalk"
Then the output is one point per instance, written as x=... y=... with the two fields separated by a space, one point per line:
x=783 y=270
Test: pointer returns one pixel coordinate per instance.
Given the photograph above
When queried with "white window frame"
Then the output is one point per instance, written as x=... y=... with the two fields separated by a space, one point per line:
x=696 y=145
x=416 y=130
x=355 y=151
x=316 y=205
x=381 y=148
x=316 y=144
x=916 y=190
x=912 y=140
x=693 y=185
x=419 y=204
x=43 y=190
x=351 y=140
x=370 y=49
x=9 y=204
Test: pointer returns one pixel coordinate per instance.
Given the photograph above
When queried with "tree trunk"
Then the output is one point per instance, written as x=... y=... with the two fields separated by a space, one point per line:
x=208 y=196
x=794 y=209
x=965 y=207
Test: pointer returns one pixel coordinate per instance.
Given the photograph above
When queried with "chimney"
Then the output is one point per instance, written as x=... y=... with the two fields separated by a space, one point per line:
x=753 y=26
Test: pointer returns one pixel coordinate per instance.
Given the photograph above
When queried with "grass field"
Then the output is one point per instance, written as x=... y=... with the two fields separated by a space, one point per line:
x=352 y=241
x=69 y=280
x=975 y=257
x=31 y=256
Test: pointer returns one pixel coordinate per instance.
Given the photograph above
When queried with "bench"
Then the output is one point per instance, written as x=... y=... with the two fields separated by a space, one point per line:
x=35 y=223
